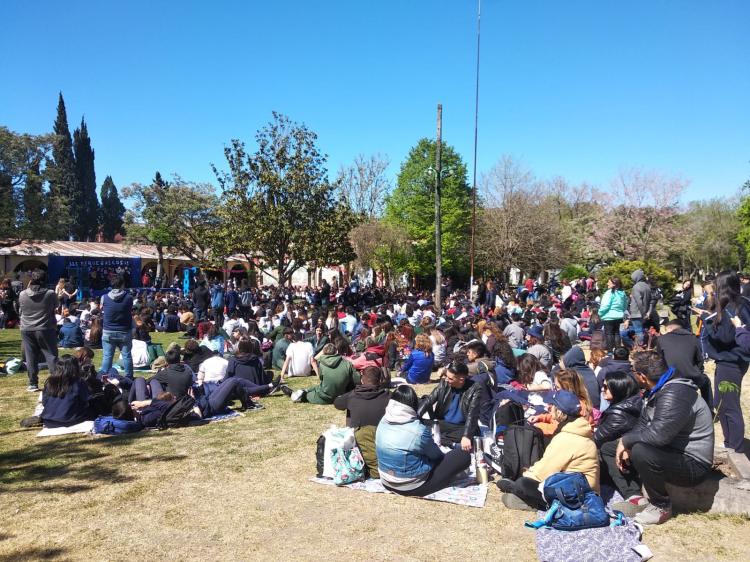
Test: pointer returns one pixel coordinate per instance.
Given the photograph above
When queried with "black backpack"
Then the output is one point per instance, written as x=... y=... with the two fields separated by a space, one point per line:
x=523 y=445
x=179 y=413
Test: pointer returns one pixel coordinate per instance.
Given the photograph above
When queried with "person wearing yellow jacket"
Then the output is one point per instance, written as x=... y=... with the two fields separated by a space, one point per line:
x=572 y=449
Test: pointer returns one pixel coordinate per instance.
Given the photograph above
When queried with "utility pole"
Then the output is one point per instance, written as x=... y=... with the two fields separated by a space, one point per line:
x=438 y=234
x=474 y=183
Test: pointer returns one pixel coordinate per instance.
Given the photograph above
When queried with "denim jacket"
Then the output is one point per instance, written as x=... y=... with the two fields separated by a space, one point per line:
x=404 y=445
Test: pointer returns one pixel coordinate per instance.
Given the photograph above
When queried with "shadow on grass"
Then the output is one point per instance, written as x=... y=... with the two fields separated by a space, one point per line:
x=34 y=553
x=88 y=462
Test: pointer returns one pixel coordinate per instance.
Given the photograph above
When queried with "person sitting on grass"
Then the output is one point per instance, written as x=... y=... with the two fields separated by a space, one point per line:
x=65 y=396
x=278 y=357
x=365 y=407
x=625 y=404
x=673 y=441
x=570 y=380
x=299 y=355
x=409 y=461
x=194 y=354
x=571 y=449
x=247 y=362
x=418 y=367
x=176 y=377
x=71 y=335
x=455 y=404
x=337 y=376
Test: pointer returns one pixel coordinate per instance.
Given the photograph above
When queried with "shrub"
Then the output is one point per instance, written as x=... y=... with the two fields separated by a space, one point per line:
x=623 y=269
x=571 y=272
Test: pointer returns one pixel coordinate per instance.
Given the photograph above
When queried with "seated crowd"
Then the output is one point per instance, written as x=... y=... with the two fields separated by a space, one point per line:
x=633 y=416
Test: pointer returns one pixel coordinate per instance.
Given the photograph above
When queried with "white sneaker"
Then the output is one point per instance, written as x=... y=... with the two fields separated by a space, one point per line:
x=297 y=395
x=653 y=515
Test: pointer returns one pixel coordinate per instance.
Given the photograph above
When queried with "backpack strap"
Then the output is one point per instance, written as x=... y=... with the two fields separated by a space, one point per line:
x=546 y=519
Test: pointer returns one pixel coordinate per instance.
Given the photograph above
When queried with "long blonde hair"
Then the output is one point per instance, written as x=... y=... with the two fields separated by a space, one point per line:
x=570 y=380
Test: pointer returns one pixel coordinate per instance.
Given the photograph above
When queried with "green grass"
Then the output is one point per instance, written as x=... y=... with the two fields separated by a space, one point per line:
x=239 y=490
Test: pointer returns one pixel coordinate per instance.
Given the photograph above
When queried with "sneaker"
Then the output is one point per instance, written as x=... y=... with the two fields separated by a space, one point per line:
x=32 y=388
x=33 y=421
x=286 y=390
x=296 y=396
x=632 y=506
x=653 y=515
x=512 y=501
x=275 y=384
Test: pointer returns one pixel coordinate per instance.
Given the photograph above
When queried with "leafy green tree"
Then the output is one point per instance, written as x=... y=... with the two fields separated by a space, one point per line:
x=63 y=190
x=180 y=216
x=382 y=247
x=85 y=211
x=22 y=161
x=277 y=204
x=112 y=210
x=411 y=207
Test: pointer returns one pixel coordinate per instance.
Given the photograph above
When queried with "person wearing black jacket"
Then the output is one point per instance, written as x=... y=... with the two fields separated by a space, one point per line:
x=202 y=301
x=365 y=405
x=673 y=441
x=454 y=403
x=625 y=404
x=176 y=378
x=680 y=304
x=247 y=363
x=682 y=350
x=195 y=354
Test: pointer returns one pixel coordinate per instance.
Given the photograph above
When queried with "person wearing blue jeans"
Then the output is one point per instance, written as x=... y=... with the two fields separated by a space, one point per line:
x=117 y=332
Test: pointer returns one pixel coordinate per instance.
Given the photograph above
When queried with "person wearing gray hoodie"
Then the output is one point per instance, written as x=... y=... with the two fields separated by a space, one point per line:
x=37 y=306
x=640 y=304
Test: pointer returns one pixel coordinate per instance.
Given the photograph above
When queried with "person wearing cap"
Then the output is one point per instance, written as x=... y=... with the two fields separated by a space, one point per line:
x=572 y=449
x=535 y=337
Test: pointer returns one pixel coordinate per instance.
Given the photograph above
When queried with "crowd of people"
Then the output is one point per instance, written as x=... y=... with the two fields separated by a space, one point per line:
x=617 y=390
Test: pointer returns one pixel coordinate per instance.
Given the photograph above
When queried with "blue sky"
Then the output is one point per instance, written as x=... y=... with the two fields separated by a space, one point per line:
x=579 y=89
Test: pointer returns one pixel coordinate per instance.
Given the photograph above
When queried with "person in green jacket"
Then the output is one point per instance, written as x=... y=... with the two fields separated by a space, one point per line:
x=279 y=349
x=612 y=311
x=337 y=377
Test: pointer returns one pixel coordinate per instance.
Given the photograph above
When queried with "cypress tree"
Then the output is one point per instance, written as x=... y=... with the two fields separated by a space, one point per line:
x=112 y=212
x=63 y=190
x=85 y=211
x=33 y=200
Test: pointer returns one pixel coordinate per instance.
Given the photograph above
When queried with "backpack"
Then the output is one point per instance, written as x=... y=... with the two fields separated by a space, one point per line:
x=179 y=413
x=109 y=425
x=522 y=447
x=573 y=504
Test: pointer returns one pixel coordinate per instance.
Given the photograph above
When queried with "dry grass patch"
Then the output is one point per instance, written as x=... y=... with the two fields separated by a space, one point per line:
x=239 y=490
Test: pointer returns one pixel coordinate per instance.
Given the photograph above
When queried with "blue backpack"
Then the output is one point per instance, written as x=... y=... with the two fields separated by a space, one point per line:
x=573 y=504
x=110 y=425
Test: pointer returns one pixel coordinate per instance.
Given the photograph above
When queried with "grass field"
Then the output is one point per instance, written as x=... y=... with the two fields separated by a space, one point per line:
x=239 y=490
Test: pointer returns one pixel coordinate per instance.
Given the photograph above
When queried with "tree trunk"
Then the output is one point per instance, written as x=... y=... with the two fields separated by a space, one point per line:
x=160 y=264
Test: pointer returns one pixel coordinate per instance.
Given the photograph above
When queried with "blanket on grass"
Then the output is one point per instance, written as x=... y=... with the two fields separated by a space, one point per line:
x=464 y=492
x=88 y=426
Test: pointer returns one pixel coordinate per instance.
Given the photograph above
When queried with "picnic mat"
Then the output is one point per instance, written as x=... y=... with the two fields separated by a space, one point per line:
x=464 y=492
x=88 y=426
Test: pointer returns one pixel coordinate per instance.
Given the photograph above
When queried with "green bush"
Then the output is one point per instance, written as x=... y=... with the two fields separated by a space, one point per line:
x=623 y=269
x=571 y=272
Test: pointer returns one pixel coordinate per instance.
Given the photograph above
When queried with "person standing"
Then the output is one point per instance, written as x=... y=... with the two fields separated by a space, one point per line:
x=640 y=304
x=201 y=300
x=117 y=307
x=37 y=306
x=731 y=359
x=612 y=310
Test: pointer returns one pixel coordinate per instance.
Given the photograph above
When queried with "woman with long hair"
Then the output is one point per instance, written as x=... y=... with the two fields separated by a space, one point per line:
x=94 y=333
x=612 y=311
x=65 y=396
x=731 y=359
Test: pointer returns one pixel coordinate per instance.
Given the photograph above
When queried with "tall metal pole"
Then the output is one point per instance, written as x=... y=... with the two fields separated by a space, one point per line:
x=474 y=182
x=438 y=233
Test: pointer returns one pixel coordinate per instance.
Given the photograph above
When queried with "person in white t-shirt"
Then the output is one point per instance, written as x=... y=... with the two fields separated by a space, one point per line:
x=299 y=355
x=213 y=369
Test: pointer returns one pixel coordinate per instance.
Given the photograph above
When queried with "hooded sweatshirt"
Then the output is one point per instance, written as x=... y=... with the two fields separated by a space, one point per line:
x=176 y=378
x=576 y=360
x=572 y=449
x=337 y=376
x=365 y=405
x=640 y=296
x=37 y=306
x=118 y=311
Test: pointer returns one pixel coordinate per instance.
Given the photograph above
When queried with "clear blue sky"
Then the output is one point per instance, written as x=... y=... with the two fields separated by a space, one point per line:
x=575 y=88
